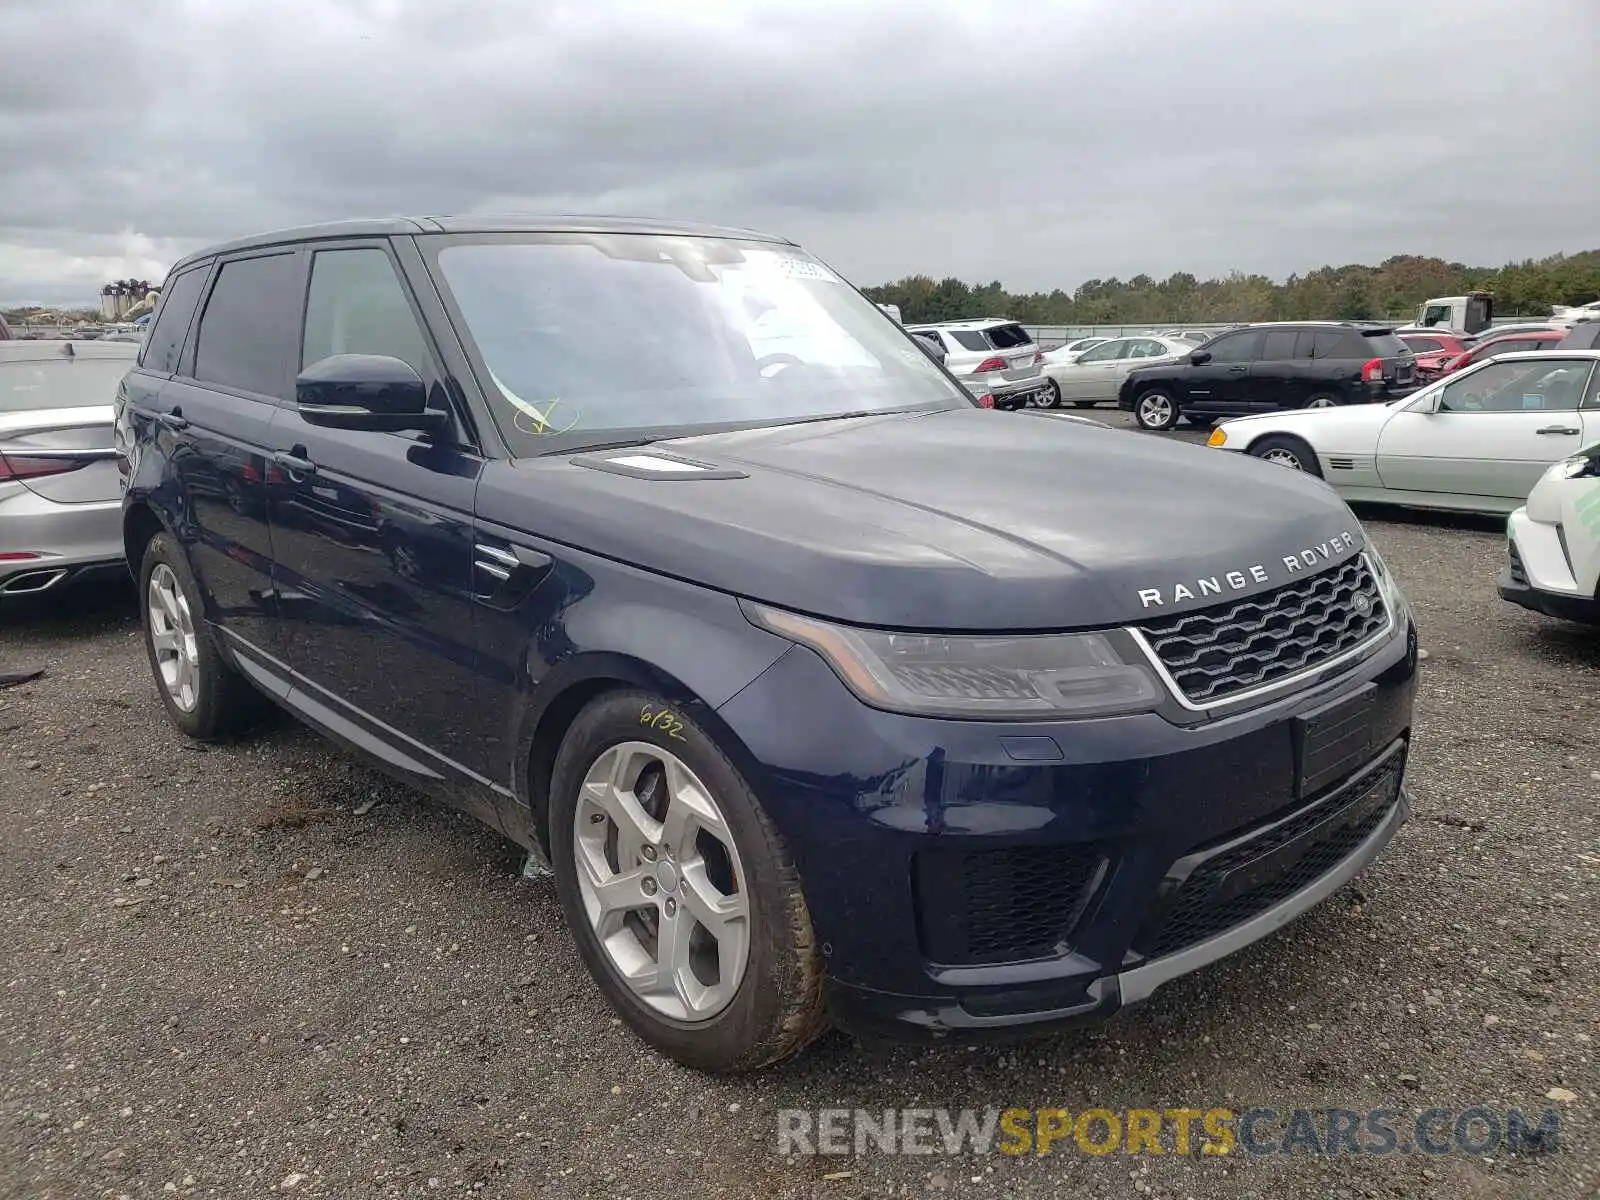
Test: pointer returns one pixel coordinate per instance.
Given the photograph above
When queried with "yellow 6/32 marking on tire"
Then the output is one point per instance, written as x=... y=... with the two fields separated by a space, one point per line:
x=664 y=719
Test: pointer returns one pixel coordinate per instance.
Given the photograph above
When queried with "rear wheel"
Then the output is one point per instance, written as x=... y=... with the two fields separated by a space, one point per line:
x=1155 y=410
x=1050 y=397
x=203 y=695
x=1287 y=451
x=681 y=897
x=1323 y=400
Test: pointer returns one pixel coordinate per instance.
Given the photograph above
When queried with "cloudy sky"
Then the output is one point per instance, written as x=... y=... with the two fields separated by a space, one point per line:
x=1040 y=143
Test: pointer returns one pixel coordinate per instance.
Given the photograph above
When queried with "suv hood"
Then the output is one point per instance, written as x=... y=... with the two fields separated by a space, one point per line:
x=957 y=519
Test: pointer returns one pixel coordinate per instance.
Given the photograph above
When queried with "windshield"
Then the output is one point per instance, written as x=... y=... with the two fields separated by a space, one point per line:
x=60 y=383
x=592 y=337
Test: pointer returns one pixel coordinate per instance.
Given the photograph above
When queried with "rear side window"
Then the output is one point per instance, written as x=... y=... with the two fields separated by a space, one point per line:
x=1279 y=345
x=164 y=344
x=1009 y=337
x=356 y=305
x=1383 y=345
x=970 y=339
x=1423 y=345
x=247 y=335
x=1236 y=347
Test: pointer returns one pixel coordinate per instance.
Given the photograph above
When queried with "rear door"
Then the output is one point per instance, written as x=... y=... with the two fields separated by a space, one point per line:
x=210 y=421
x=1281 y=375
x=372 y=536
x=1494 y=431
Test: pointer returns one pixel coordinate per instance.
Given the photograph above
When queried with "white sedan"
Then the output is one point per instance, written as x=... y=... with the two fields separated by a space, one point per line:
x=1553 y=542
x=1094 y=376
x=1477 y=441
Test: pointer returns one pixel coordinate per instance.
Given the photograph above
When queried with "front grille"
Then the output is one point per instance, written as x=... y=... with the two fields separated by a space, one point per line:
x=1229 y=648
x=1519 y=576
x=1007 y=904
x=1336 y=824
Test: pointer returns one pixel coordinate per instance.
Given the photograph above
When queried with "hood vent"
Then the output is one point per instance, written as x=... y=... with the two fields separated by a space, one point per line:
x=653 y=464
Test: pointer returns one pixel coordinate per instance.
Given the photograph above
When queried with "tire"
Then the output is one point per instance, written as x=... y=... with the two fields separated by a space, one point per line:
x=1083 y=404
x=204 y=696
x=1050 y=397
x=774 y=1005
x=1155 y=410
x=1287 y=451
x=1324 y=400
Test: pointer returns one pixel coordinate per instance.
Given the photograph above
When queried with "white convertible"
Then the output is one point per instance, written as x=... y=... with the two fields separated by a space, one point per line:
x=1553 y=542
x=1475 y=441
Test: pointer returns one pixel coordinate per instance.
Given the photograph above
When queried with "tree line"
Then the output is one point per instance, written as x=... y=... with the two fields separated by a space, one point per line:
x=1390 y=291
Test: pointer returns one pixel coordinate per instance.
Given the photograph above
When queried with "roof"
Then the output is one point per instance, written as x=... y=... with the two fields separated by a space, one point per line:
x=972 y=323
x=482 y=223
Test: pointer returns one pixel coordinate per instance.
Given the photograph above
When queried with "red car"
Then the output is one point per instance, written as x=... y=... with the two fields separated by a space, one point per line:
x=1433 y=350
x=1541 y=339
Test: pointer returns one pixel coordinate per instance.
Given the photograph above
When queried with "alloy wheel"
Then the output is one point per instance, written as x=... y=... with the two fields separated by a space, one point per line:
x=1320 y=402
x=661 y=881
x=172 y=635
x=1283 y=457
x=1154 y=411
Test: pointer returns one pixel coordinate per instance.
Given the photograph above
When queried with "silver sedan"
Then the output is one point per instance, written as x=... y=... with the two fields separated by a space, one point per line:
x=1096 y=374
x=60 y=497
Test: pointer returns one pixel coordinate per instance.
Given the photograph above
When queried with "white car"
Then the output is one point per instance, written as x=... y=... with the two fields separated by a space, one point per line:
x=1475 y=441
x=994 y=358
x=1553 y=542
x=1094 y=376
x=1071 y=351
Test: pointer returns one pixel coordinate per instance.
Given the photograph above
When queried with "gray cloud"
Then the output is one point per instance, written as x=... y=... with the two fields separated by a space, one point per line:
x=1038 y=144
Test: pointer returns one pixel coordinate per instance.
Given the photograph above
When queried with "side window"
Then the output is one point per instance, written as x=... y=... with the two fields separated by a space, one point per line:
x=1105 y=351
x=1325 y=343
x=1547 y=385
x=1236 y=348
x=970 y=339
x=356 y=305
x=163 y=346
x=1147 y=348
x=247 y=334
x=1279 y=345
x=1423 y=345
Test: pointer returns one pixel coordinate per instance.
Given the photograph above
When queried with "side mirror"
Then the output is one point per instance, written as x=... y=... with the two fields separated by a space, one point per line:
x=1199 y=357
x=365 y=391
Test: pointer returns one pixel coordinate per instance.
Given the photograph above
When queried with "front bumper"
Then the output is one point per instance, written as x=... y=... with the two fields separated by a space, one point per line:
x=968 y=878
x=1538 y=574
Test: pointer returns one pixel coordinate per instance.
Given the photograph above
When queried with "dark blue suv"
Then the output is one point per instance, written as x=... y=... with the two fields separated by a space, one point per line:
x=823 y=691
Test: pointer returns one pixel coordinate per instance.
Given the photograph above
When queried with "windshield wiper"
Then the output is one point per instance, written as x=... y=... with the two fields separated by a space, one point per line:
x=585 y=447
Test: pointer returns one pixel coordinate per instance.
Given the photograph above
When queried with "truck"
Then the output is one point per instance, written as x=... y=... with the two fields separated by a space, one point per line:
x=1472 y=313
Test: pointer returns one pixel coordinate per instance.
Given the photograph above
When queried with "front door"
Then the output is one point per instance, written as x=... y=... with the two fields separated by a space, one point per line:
x=372 y=537
x=1097 y=372
x=1222 y=384
x=1491 y=432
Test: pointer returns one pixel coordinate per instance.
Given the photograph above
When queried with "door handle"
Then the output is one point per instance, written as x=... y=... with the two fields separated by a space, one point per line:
x=294 y=463
x=174 y=420
x=1564 y=430
x=1237 y=370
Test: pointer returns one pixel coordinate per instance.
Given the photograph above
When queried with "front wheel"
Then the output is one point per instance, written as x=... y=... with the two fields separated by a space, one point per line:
x=681 y=897
x=1287 y=451
x=1155 y=410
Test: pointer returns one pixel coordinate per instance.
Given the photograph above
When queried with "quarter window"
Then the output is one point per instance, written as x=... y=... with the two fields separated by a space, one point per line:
x=247 y=334
x=970 y=339
x=163 y=346
x=356 y=305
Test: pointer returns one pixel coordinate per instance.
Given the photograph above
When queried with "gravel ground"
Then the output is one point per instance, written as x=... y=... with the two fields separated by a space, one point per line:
x=261 y=968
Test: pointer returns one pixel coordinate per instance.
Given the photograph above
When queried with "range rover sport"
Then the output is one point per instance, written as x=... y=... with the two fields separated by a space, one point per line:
x=825 y=693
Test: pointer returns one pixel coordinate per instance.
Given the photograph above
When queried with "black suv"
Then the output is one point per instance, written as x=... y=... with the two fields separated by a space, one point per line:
x=1264 y=368
x=666 y=553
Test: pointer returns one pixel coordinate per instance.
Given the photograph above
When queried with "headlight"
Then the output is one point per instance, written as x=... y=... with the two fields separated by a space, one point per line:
x=1389 y=588
x=995 y=677
x=1579 y=466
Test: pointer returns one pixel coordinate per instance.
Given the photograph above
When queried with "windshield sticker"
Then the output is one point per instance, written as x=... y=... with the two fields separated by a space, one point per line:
x=550 y=419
